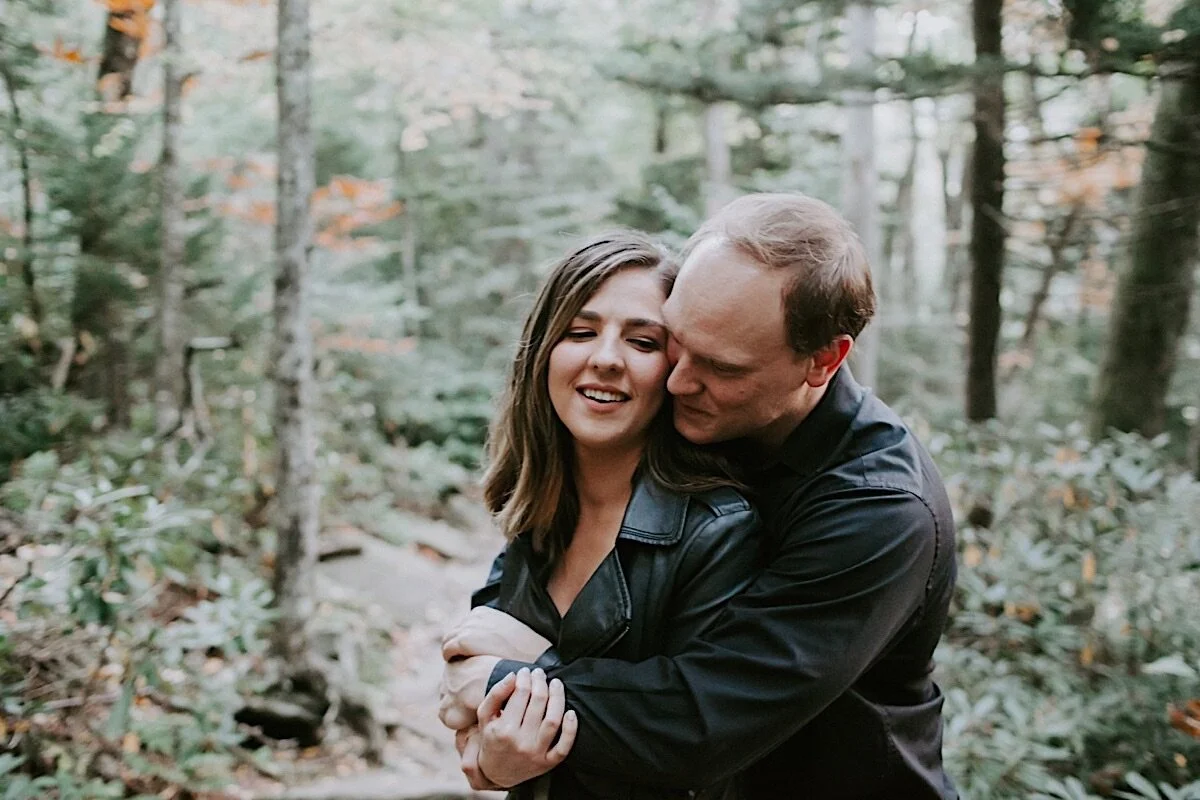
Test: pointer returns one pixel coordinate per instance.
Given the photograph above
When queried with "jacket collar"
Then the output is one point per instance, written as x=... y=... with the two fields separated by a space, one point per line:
x=655 y=515
x=817 y=439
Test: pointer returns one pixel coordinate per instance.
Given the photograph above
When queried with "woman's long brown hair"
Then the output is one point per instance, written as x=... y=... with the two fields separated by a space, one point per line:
x=529 y=485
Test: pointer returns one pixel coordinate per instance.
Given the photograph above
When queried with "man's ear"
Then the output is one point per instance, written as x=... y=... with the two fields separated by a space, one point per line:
x=826 y=361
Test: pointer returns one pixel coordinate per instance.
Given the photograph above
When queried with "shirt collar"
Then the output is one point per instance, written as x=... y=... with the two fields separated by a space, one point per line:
x=655 y=515
x=814 y=442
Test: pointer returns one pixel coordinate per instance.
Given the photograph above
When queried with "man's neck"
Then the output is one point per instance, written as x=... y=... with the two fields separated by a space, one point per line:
x=806 y=398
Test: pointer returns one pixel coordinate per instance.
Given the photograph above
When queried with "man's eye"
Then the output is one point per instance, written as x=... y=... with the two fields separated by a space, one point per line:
x=726 y=370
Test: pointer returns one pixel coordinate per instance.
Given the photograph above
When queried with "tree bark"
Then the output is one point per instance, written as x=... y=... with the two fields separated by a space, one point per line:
x=168 y=367
x=20 y=141
x=292 y=353
x=718 y=178
x=121 y=49
x=108 y=375
x=987 y=215
x=860 y=179
x=1151 y=306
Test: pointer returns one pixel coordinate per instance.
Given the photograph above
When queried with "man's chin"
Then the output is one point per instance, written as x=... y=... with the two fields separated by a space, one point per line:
x=694 y=433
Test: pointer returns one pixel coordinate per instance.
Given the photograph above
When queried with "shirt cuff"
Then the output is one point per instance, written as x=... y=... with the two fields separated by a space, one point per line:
x=507 y=666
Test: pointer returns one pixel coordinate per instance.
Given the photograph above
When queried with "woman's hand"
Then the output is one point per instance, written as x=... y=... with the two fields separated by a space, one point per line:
x=516 y=738
x=467 y=742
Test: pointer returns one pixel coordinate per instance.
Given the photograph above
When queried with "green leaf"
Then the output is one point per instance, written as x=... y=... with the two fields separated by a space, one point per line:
x=118 y=717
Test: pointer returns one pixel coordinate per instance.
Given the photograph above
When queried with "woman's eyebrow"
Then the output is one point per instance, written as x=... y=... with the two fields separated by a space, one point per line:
x=631 y=322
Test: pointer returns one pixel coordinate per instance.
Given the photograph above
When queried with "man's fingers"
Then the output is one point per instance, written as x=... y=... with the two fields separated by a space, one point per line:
x=514 y=709
x=539 y=694
x=570 y=726
x=493 y=703
x=555 y=706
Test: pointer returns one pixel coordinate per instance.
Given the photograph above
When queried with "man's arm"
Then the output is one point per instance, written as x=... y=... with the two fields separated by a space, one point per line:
x=831 y=600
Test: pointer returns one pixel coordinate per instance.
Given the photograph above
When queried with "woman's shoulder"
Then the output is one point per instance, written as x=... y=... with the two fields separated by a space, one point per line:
x=720 y=502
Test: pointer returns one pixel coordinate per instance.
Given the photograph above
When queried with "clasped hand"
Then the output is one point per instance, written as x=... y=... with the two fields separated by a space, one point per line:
x=519 y=721
x=507 y=737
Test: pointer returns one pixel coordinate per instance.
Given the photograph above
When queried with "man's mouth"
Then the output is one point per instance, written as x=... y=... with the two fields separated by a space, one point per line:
x=602 y=396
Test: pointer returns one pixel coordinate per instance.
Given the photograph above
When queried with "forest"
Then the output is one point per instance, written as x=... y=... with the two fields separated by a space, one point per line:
x=262 y=267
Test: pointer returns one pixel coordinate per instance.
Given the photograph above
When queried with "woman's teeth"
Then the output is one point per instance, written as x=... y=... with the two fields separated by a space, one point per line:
x=602 y=397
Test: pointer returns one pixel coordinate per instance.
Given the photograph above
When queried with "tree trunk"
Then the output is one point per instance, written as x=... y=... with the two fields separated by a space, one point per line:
x=1150 y=310
x=718 y=178
x=987 y=214
x=109 y=373
x=121 y=49
x=292 y=352
x=20 y=141
x=168 y=367
x=860 y=178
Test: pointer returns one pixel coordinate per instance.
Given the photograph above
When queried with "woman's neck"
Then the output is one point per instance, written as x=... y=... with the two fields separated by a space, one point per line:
x=604 y=480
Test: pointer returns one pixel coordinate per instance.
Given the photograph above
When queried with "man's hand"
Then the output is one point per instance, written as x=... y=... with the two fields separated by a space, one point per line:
x=488 y=632
x=467 y=742
x=464 y=683
x=518 y=723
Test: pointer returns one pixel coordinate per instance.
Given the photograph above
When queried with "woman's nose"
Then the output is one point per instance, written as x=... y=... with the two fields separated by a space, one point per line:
x=607 y=354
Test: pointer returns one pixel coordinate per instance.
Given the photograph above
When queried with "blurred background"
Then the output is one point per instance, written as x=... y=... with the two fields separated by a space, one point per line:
x=256 y=298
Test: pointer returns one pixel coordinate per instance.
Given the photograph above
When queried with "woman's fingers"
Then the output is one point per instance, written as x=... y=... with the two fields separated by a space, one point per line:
x=493 y=702
x=539 y=695
x=570 y=726
x=514 y=709
x=556 y=704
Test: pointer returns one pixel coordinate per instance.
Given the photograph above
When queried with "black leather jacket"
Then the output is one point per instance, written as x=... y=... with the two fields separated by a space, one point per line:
x=677 y=561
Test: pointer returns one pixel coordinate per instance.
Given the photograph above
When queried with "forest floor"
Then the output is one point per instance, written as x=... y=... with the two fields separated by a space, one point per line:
x=414 y=590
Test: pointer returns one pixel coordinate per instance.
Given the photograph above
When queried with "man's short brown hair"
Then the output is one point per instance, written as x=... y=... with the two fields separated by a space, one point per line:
x=830 y=293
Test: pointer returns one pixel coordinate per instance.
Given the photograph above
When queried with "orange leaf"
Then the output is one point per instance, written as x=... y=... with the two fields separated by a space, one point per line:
x=1186 y=719
x=70 y=55
x=129 y=6
x=256 y=55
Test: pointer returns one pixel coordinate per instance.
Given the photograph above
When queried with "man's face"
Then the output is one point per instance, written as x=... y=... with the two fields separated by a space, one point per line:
x=734 y=374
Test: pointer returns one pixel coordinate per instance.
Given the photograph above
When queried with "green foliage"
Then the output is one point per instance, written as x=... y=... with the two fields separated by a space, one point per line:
x=181 y=630
x=1073 y=629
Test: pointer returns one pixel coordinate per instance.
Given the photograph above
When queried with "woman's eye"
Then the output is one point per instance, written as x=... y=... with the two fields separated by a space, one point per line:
x=647 y=345
x=579 y=333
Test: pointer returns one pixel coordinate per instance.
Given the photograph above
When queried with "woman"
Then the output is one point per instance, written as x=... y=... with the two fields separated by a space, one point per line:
x=624 y=540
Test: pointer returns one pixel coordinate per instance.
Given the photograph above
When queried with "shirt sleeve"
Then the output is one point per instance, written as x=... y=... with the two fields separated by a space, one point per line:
x=850 y=571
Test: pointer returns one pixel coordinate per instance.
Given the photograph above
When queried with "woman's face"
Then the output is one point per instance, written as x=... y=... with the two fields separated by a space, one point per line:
x=607 y=375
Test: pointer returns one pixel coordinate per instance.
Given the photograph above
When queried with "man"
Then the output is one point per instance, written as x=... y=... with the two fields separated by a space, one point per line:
x=815 y=681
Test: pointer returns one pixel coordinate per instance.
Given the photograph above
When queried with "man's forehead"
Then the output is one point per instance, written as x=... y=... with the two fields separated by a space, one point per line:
x=737 y=327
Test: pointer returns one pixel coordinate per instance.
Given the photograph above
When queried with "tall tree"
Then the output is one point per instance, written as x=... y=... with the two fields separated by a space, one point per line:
x=718 y=183
x=95 y=306
x=21 y=141
x=168 y=366
x=860 y=179
x=292 y=352
x=987 y=214
x=1151 y=307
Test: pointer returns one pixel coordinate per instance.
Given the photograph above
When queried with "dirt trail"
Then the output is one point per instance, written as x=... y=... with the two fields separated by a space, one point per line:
x=419 y=588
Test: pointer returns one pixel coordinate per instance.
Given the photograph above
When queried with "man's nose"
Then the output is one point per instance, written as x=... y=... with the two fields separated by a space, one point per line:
x=682 y=382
